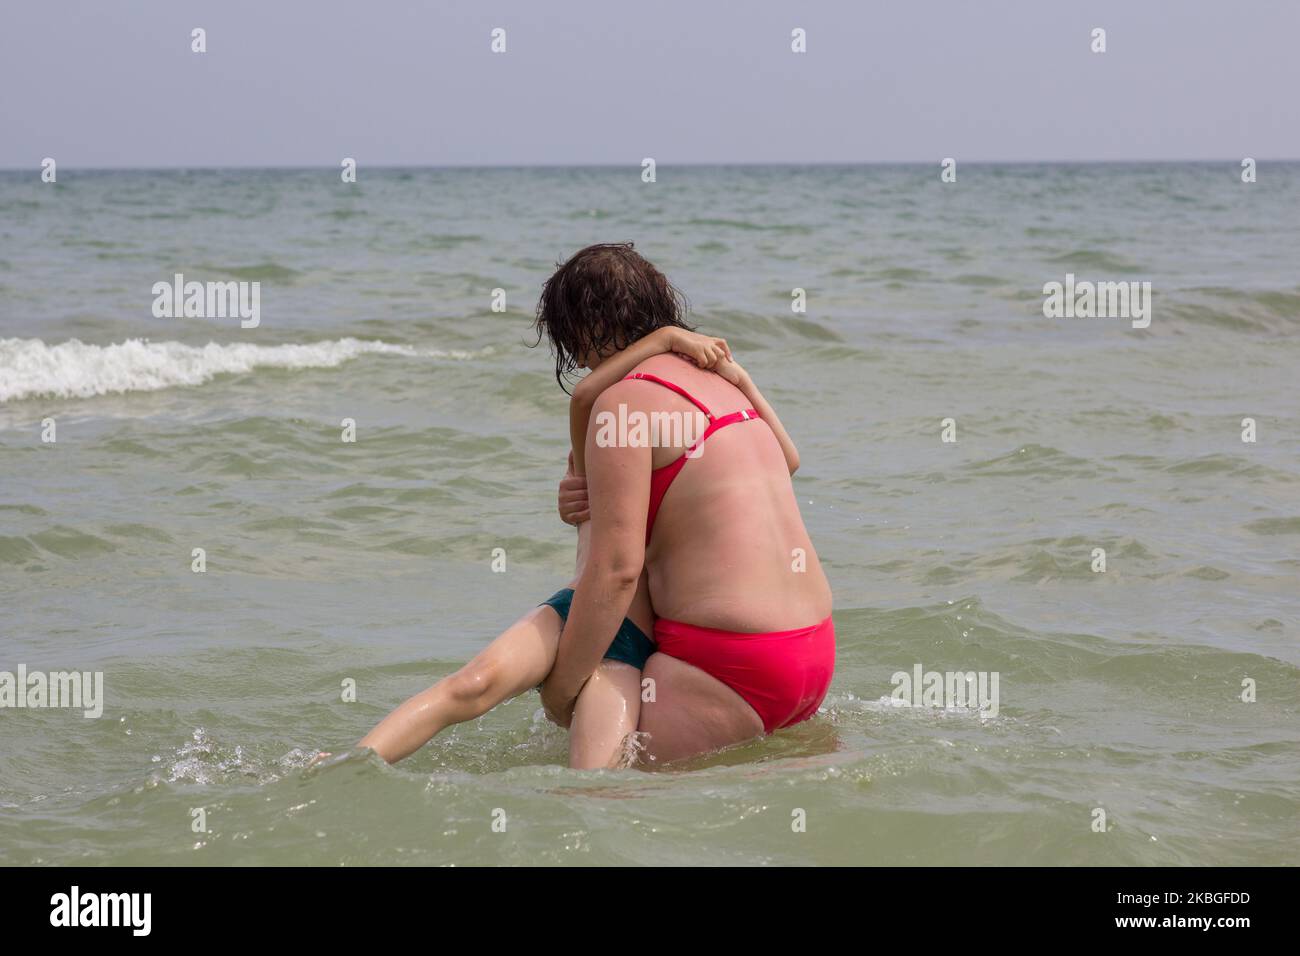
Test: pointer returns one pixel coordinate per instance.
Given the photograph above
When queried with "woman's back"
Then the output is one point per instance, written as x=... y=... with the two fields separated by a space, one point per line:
x=728 y=548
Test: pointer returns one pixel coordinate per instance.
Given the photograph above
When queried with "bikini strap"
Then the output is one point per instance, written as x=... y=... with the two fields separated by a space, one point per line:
x=676 y=388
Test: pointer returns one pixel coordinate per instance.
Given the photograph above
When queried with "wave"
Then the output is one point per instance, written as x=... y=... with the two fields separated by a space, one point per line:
x=1273 y=311
x=1095 y=259
x=264 y=272
x=31 y=369
x=748 y=226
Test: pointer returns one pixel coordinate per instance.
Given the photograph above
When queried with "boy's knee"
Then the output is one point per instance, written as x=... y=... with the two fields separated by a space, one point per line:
x=472 y=683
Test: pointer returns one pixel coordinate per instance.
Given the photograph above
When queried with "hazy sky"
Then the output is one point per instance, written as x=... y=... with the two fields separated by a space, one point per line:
x=307 y=82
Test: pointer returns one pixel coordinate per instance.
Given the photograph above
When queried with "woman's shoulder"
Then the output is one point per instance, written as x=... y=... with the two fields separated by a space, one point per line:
x=682 y=372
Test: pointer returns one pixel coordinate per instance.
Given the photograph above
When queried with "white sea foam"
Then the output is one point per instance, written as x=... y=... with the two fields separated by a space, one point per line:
x=29 y=368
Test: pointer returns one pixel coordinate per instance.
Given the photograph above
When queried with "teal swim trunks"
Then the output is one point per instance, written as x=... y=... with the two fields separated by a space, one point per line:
x=630 y=646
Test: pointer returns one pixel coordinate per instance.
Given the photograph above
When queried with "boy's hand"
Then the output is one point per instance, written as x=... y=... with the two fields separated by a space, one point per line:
x=573 y=504
x=706 y=351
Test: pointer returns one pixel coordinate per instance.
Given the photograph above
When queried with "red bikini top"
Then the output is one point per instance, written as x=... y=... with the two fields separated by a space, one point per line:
x=662 y=478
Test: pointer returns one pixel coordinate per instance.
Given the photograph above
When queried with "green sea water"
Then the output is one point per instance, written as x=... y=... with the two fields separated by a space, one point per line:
x=371 y=562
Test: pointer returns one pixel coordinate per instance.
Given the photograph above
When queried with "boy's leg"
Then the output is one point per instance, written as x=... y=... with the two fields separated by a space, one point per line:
x=518 y=660
x=607 y=711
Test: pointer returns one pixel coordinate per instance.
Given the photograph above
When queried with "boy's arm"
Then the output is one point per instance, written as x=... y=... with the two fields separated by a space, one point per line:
x=738 y=377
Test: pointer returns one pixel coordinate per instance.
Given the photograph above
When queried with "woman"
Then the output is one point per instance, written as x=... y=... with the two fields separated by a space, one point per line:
x=746 y=645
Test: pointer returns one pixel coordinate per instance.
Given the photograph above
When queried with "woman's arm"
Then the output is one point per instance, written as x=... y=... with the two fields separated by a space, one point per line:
x=706 y=351
x=620 y=493
x=738 y=377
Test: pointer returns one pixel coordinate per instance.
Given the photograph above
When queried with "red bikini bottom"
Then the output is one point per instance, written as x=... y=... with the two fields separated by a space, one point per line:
x=783 y=675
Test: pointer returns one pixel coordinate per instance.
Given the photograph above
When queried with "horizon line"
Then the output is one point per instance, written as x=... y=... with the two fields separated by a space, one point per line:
x=1236 y=161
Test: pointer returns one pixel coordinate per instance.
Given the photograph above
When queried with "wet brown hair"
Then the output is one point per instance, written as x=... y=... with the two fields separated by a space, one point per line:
x=605 y=296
